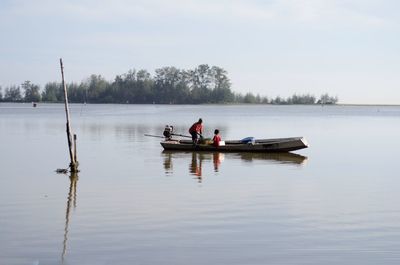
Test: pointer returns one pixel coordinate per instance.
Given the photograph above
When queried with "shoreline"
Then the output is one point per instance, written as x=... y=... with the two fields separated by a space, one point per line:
x=217 y=104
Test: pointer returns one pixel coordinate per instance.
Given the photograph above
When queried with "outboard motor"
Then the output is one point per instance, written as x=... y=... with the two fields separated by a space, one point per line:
x=168 y=130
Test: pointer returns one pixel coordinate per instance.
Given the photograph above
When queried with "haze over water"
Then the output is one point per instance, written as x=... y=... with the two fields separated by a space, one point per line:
x=333 y=203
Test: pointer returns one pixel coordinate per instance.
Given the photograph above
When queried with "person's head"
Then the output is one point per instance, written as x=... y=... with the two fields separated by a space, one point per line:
x=200 y=121
x=216 y=131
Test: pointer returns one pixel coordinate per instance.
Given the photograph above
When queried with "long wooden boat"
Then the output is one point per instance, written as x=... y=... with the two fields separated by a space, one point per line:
x=262 y=145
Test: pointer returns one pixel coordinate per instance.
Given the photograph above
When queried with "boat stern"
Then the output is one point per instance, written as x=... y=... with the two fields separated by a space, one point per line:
x=305 y=142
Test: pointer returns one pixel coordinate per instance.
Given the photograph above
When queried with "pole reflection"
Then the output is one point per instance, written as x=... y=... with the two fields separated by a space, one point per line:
x=71 y=203
x=197 y=160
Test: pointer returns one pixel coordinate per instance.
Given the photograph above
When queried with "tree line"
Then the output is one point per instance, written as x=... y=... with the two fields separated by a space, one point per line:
x=170 y=85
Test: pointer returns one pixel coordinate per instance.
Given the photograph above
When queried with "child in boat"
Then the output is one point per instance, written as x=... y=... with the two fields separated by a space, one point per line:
x=217 y=138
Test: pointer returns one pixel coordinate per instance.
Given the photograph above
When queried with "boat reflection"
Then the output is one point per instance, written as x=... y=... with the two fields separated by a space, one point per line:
x=198 y=158
x=279 y=158
x=71 y=203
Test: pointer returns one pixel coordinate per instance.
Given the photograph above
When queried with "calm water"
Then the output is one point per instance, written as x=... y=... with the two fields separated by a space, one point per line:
x=334 y=203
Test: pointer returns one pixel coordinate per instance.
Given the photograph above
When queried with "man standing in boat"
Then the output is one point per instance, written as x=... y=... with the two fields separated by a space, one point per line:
x=196 y=131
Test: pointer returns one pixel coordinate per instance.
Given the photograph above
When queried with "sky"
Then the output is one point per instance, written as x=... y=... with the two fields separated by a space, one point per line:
x=346 y=48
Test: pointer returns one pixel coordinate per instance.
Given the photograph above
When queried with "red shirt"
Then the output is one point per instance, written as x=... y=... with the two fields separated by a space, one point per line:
x=216 y=140
x=196 y=127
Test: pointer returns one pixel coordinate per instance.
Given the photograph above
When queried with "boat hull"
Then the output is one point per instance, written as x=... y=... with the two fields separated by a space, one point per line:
x=263 y=145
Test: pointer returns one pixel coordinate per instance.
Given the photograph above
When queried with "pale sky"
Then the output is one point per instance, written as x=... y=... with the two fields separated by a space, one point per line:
x=349 y=49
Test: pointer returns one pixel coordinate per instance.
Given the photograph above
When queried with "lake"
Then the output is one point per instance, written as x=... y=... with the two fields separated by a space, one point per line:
x=336 y=202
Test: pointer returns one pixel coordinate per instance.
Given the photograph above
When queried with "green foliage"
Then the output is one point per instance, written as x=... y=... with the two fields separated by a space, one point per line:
x=326 y=99
x=170 y=85
x=53 y=92
x=301 y=99
x=250 y=98
x=31 y=92
x=221 y=91
x=76 y=93
x=95 y=88
x=12 y=94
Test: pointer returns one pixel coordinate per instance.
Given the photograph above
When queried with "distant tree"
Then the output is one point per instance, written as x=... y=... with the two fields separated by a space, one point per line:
x=131 y=87
x=95 y=86
x=238 y=98
x=220 y=83
x=265 y=100
x=278 y=101
x=181 y=88
x=77 y=93
x=31 y=92
x=171 y=85
x=301 y=99
x=12 y=94
x=53 y=92
x=117 y=89
x=199 y=83
x=326 y=99
x=250 y=98
x=143 y=87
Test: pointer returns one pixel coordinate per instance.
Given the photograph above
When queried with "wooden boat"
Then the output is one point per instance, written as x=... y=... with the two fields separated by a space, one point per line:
x=262 y=145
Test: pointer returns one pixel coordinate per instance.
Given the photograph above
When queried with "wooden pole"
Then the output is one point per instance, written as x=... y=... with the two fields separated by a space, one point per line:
x=73 y=164
x=76 y=160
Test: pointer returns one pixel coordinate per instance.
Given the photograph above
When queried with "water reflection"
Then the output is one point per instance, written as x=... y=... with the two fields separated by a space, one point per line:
x=71 y=203
x=217 y=158
x=278 y=158
x=195 y=166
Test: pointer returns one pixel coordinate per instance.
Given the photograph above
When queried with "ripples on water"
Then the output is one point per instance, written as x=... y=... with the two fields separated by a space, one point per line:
x=132 y=203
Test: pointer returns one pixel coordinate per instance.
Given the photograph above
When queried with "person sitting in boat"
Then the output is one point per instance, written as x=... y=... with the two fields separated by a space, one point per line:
x=196 y=131
x=168 y=130
x=217 y=138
